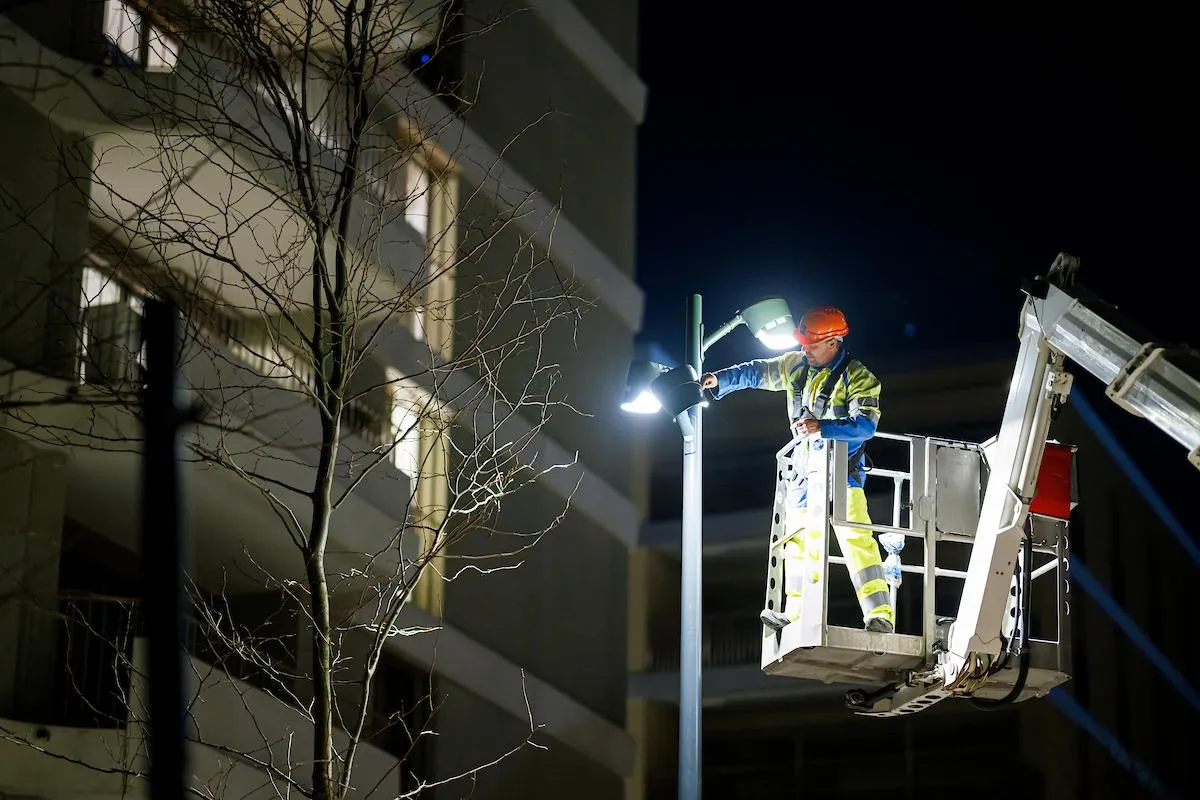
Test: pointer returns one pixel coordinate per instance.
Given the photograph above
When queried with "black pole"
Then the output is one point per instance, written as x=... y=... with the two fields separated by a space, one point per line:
x=162 y=551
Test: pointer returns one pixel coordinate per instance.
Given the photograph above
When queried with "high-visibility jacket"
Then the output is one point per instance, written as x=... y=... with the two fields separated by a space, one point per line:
x=850 y=414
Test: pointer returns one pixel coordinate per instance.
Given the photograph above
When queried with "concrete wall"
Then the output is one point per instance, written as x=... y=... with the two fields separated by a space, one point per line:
x=43 y=233
x=544 y=769
x=589 y=355
x=617 y=21
x=553 y=122
x=70 y=27
x=32 y=490
x=561 y=613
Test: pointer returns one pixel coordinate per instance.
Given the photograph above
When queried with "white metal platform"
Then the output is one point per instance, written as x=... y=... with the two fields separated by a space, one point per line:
x=936 y=500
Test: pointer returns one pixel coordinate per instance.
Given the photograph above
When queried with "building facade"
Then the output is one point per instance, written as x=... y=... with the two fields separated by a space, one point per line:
x=510 y=129
x=1102 y=734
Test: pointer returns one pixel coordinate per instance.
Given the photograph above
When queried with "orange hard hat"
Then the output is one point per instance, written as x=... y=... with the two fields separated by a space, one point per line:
x=821 y=323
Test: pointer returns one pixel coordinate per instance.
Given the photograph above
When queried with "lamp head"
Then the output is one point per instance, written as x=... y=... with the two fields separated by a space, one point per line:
x=651 y=387
x=678 y=390
x=638 y=398
x=770 y=320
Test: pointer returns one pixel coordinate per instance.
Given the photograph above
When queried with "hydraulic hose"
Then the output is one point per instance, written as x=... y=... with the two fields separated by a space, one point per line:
x=1023 y=666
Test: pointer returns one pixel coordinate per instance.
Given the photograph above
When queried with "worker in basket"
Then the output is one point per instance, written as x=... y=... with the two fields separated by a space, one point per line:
x=830 y=395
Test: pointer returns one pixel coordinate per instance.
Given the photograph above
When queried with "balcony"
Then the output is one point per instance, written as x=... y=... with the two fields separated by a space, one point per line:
x=195 y=165
x=92 y=742
x=260 y=417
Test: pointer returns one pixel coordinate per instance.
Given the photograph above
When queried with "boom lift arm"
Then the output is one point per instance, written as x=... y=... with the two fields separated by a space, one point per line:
x=1058 y=322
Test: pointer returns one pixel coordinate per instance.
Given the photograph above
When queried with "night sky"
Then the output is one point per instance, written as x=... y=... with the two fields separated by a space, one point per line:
x=911 y=172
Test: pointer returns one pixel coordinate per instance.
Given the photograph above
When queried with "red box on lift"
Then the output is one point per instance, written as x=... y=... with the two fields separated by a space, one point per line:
x=1056 y=492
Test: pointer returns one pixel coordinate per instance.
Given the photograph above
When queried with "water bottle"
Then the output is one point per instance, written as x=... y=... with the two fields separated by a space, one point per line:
x=893 y=543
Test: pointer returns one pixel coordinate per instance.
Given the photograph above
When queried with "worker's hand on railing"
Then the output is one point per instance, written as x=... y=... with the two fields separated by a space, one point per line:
x=806 y=427
x=796 y=440
x=708 y=381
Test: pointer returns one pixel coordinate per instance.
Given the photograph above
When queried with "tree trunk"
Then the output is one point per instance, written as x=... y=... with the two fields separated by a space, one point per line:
x=322 y=663
x=318 y=587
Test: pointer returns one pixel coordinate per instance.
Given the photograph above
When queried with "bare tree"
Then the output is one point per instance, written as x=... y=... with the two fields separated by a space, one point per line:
x=272 y=169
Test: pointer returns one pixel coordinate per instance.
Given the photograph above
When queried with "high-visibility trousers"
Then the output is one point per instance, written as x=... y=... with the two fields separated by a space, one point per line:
x=802 y=552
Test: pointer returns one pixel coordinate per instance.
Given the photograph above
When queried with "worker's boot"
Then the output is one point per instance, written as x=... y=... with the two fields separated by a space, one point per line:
x=773 y=619
x=880 y=625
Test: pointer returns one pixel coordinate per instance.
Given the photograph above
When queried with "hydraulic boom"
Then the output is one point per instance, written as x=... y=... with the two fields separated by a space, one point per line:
x=1058 y=323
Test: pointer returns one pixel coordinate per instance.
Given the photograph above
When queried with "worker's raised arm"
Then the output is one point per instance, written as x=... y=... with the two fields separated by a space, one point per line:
x=862 y=408
x=772 y=374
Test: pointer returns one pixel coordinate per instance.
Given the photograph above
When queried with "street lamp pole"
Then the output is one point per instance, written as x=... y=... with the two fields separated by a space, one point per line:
x=691 y=570
x=649 y=388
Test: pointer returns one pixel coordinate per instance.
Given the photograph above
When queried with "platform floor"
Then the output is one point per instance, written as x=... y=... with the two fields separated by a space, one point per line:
x=855 y=656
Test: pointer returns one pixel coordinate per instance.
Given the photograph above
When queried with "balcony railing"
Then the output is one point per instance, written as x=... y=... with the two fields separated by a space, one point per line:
x=95 y=654
x=111 y=351
x=293 y=371
x=96 y=659
x=95 y=668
